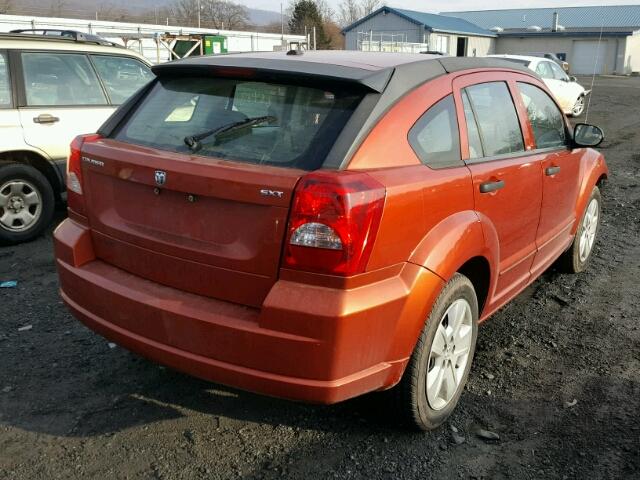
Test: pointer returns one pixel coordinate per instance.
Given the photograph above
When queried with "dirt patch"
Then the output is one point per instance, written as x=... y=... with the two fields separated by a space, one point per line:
x=556 y=377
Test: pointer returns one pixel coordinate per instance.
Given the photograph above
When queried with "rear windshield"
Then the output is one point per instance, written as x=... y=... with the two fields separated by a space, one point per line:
x=248 y=121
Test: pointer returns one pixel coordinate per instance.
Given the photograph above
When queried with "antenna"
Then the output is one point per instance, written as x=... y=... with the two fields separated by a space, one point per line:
x=593 y=77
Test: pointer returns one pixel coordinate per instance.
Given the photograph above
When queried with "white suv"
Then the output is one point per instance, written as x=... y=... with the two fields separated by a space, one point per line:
x=52 y=89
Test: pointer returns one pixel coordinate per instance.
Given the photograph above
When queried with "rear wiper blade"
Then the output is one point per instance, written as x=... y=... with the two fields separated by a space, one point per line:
x=193 y=141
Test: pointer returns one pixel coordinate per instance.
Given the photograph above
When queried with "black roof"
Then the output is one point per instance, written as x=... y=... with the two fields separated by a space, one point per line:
x=373 y=70
x=387 y=77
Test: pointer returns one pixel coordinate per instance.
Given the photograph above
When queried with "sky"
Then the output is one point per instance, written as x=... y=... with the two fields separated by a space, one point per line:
x=454 y=5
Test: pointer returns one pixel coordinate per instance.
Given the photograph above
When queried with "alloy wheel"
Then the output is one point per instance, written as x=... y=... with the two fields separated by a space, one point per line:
x=578 y=108
x=449 y=354
x=589 y=229
x=20 y=205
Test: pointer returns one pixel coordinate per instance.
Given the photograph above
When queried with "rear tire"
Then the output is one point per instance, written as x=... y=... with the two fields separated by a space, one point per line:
x=576 y=258
x=26 y=203
x=425 y=397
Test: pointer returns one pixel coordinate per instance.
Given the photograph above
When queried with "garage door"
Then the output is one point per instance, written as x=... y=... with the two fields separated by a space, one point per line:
x=587 y=54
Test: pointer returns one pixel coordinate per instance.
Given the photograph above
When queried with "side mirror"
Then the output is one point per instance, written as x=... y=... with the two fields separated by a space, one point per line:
x=573 y=79
x=585 y=135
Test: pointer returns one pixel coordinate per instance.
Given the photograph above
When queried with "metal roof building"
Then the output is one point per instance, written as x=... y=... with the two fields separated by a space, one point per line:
x=597 y=39
x=601 y=39
x=570 y=17
x=393 y=29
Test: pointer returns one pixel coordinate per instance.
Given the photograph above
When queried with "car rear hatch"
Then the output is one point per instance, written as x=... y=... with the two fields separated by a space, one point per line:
x=207 y=229
x=209 y=218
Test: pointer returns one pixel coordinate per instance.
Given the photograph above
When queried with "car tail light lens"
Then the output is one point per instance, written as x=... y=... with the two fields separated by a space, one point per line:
x=333 y=223
x=75 y=200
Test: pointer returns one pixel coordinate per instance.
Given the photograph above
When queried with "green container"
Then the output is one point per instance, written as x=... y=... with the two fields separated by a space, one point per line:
x=183 y=46
x=215 y=44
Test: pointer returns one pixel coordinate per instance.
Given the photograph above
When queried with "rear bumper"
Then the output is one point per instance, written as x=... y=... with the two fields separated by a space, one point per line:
x=308 y=343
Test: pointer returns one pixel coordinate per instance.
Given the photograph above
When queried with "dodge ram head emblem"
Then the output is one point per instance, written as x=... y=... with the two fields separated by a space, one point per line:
x=161 y=177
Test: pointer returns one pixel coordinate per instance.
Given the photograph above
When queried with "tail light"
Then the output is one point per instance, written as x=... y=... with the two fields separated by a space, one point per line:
x=75 y=200
x=333 y=222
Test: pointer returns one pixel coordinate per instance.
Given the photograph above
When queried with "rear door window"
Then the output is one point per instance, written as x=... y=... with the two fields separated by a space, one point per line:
x=250 y=121
x=121 y=76
x=52 y=79
x=5 y=84
x=545 y=117
x=473 y=135
x=496 y=117
x=435 y=137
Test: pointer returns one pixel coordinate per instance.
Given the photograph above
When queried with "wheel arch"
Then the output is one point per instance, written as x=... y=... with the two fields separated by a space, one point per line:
x=466 y=243
x=45 y=166
x=478 y=271
x=594 y=173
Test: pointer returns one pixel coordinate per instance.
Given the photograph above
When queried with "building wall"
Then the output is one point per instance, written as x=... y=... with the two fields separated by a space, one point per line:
x=384 y=24
x=632 y=54
x=613 y=46
x=482 y=45
x=237 y=41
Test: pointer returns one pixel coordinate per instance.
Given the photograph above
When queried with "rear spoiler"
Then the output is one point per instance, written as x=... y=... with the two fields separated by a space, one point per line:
x=271 y=69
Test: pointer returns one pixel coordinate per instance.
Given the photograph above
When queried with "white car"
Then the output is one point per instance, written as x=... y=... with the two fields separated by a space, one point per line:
x=569 y=93
x=51 y=90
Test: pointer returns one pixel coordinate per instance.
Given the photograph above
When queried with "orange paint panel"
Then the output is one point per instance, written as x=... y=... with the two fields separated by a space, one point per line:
x=188 y=271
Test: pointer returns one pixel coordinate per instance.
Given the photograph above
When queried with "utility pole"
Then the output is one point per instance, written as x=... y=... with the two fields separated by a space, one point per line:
x=281 y=22
x=314 y=38
x=199 y=8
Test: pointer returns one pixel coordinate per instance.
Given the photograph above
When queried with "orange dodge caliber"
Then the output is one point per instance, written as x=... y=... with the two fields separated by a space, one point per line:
x=320 y=225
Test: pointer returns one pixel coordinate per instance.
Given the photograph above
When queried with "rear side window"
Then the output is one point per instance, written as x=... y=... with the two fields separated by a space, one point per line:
x=496 y=117
x=558 y=73
x=545 y=117
x=256 y=122
x=435 y=137
x=5 y=85
x=122 y=76
x=60 y=79
x=544 y=70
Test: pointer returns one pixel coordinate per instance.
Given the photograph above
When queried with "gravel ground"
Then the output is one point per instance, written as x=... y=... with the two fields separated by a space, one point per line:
x=556 y=377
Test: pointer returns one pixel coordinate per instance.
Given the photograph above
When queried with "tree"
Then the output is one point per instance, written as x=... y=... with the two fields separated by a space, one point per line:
x=335 y=36
x=369 y=6
x=324 y=9
x=305 y=16
x=186 y=12
x=220 y=14
x=349 y=11
x=224 y=14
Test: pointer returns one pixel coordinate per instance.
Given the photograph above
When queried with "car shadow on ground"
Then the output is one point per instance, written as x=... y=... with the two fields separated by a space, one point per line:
x=108 y=389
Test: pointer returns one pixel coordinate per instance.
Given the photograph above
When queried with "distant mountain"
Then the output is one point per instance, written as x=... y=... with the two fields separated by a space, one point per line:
x=263 y=17
x=103 y=8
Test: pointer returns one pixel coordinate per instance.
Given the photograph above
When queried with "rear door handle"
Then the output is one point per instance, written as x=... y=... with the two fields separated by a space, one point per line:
x=45 y=118
x=491 y=186
x=550 y=171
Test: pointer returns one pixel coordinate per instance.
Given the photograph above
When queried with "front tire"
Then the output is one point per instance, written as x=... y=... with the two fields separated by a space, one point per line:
x=576 y=258
x=578 y=107
x=26 y=203
x=439 y=366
